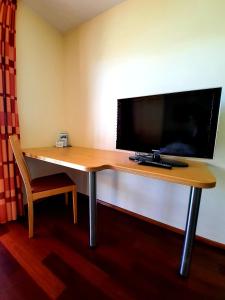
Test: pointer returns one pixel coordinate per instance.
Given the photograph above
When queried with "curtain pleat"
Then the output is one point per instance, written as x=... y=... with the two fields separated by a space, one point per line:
x=10 y=183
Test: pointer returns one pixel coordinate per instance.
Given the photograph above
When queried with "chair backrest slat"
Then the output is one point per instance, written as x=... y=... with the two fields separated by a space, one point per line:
x=24 y=171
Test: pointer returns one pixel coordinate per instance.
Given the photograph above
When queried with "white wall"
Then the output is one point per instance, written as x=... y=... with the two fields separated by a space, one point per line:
x=39 y=79
x=143 y=47
x=40 y=91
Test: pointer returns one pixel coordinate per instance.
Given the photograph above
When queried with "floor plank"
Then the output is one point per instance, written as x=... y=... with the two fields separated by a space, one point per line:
x=133 y=259
x=16 y=284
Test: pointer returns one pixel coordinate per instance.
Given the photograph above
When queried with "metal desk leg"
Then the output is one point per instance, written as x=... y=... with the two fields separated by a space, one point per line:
x=92 y=209
x=191 y=223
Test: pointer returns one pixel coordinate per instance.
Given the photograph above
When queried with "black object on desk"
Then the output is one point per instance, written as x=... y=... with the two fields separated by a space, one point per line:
x=156 y=160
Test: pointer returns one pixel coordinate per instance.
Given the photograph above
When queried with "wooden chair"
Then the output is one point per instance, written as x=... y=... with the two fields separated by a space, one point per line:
x=42 y=187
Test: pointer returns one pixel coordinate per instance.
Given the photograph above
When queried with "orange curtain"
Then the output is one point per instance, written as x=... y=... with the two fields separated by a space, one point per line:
x=10 y=183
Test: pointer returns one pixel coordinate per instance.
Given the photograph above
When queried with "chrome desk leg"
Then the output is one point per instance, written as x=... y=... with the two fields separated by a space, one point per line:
x=92 y=209
x=191 y=223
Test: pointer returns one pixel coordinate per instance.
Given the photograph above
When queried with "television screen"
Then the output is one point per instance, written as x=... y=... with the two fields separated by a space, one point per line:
x=180 y=124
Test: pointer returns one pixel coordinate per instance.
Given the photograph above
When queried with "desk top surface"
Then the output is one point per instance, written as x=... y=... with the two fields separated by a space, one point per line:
x=90 y=160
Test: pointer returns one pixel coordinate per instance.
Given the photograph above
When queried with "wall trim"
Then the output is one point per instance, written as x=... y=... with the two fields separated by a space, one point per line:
x=199 y=238
x=162 y=225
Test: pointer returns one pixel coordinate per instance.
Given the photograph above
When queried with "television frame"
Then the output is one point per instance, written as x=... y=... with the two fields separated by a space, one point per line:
x=155 y=152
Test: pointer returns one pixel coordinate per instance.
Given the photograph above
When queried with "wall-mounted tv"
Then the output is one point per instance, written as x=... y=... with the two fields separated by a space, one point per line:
x=178 y=124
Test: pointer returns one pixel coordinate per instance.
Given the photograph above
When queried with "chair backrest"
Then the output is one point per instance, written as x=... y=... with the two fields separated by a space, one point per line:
x=24 y=171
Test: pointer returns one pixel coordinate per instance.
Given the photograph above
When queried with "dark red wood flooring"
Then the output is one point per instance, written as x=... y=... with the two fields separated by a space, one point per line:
x=133 y=260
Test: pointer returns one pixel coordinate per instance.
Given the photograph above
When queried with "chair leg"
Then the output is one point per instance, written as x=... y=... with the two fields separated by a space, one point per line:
x=66 y=199
x=31 y=219
x=74 y=195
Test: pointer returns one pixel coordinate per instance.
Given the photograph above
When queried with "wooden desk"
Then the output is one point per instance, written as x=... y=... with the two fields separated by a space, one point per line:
x=197 y=176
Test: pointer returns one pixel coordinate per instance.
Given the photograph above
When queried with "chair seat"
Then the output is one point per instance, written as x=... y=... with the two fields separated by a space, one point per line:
x=50 y=182
x=42 y=187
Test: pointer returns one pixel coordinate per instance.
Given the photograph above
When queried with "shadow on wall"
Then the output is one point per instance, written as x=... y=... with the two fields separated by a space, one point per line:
x=219 y=191
x=153 y=198
x=40 y=168
x=219 y=159
x=211 y=222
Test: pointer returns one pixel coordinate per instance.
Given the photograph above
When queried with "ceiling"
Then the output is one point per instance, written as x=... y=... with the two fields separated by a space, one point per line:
x=66 y=14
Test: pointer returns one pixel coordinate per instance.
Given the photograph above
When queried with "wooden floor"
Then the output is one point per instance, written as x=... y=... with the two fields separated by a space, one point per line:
x=133 y=260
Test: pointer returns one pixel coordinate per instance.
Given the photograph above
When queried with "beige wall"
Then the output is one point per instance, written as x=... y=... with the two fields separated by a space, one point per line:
x=39 y=79
x=40 y=89
x=143 y=47
x=139 y=47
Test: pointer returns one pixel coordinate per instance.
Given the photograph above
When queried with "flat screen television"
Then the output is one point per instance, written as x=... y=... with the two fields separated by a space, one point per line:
x=177 y=124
